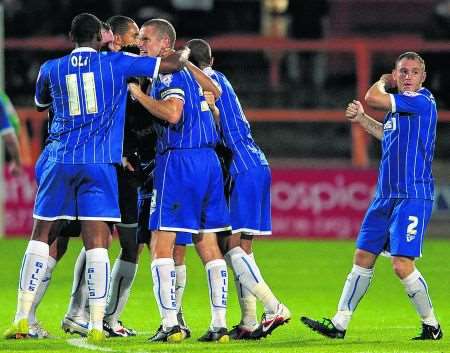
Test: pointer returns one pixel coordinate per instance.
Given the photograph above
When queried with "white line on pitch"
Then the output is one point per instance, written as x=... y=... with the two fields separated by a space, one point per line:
x=81 y=343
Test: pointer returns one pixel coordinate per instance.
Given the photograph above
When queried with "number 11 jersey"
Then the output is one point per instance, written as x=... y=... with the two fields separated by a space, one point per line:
x=88 y=90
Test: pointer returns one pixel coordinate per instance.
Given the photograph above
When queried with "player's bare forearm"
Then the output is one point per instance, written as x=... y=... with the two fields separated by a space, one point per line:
x=373 y=127
x=174 y=62
x=377 y=97
x=204 y=80
x=12 y=145
x=355 y=113
x=168 y=110
x=216 y=115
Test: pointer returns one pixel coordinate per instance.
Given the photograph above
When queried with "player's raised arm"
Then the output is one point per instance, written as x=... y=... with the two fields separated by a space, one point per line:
x=169 y=110
x=377 y=97
x=355 y=113
x=42 y=98
x=174 y=62
x=204 y=80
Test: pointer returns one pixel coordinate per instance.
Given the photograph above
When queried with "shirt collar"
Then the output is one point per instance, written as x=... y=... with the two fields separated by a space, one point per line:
x=81 y=49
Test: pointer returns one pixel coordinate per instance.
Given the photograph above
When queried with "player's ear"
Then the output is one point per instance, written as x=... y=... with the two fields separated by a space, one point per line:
x=424 y=77
x=117 y=39
x=212 y=61
x=394 y=74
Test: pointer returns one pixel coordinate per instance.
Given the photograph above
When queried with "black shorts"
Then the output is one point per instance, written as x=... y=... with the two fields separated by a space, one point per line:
x=143 y=234
x=70 y=228
x=145 y=191
x=127 y=196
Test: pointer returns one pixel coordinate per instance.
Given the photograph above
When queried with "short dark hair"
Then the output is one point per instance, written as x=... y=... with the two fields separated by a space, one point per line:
x=200 y=52
x=106 y=26
x=85 y=27
x=119 y=24
x=163 y=27
x=411 y=55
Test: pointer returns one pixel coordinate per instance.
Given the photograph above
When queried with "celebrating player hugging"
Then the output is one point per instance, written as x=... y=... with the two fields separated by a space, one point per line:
x=155 y=143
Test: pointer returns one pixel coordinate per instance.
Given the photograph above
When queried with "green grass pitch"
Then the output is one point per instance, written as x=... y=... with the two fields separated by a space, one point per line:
x=306 y=275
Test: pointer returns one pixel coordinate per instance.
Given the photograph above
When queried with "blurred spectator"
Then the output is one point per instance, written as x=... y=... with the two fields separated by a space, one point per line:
x=308 y=21
x=9 y=130
x=438 y=71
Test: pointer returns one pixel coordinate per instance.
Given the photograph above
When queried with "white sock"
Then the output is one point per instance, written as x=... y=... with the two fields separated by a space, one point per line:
x=164 y=278
x=217 y=276
x=34 y=266
x=180 y=284
x=122 y=276
x=247 y=271
x=97 y=281
x=78 y=299
x=417 y=291
x=247 y=301
x=358 y=280
x=41 y=290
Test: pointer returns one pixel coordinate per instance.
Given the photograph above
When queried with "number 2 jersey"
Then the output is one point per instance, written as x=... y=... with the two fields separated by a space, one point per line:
x=87 y=91
x=408 y=147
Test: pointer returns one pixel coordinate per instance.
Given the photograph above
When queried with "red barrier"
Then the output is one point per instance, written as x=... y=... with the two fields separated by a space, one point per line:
x=320 y=203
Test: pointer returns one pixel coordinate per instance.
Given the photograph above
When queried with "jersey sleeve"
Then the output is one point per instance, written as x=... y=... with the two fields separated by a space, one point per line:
x=409 y=102
x=141 y=66
x=10 y=118
x=5 y=126
x=42 y=97
x=172 y=86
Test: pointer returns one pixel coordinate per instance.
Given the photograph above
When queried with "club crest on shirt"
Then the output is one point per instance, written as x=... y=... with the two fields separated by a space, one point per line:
x=410 y=93
x=391 y=124
x=166 y=80
x=410 y=237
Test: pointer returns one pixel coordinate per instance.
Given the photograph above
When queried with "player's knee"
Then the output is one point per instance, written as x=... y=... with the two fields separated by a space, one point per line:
x=179 y=254
x=207 y=247
x=59 y=248
x=129 y=255
x=246 y=243
x=402 y=266
x=364 y=258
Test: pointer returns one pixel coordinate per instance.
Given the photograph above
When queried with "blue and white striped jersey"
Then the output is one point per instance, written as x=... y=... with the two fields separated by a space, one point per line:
x=196 y=128
x=87 y=91
x=408 y=147
x=235 y=129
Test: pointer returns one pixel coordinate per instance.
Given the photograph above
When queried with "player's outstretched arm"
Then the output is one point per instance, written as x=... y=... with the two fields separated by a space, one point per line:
x=355 y=113
x=377 y=97
x=204 y=80
x=169 y=110
x=174 y=61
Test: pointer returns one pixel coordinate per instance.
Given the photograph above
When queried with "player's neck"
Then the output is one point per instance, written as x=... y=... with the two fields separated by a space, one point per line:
x=92 y=44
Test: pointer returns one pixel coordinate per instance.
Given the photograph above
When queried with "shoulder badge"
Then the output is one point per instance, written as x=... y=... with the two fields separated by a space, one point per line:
x=166 y=80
